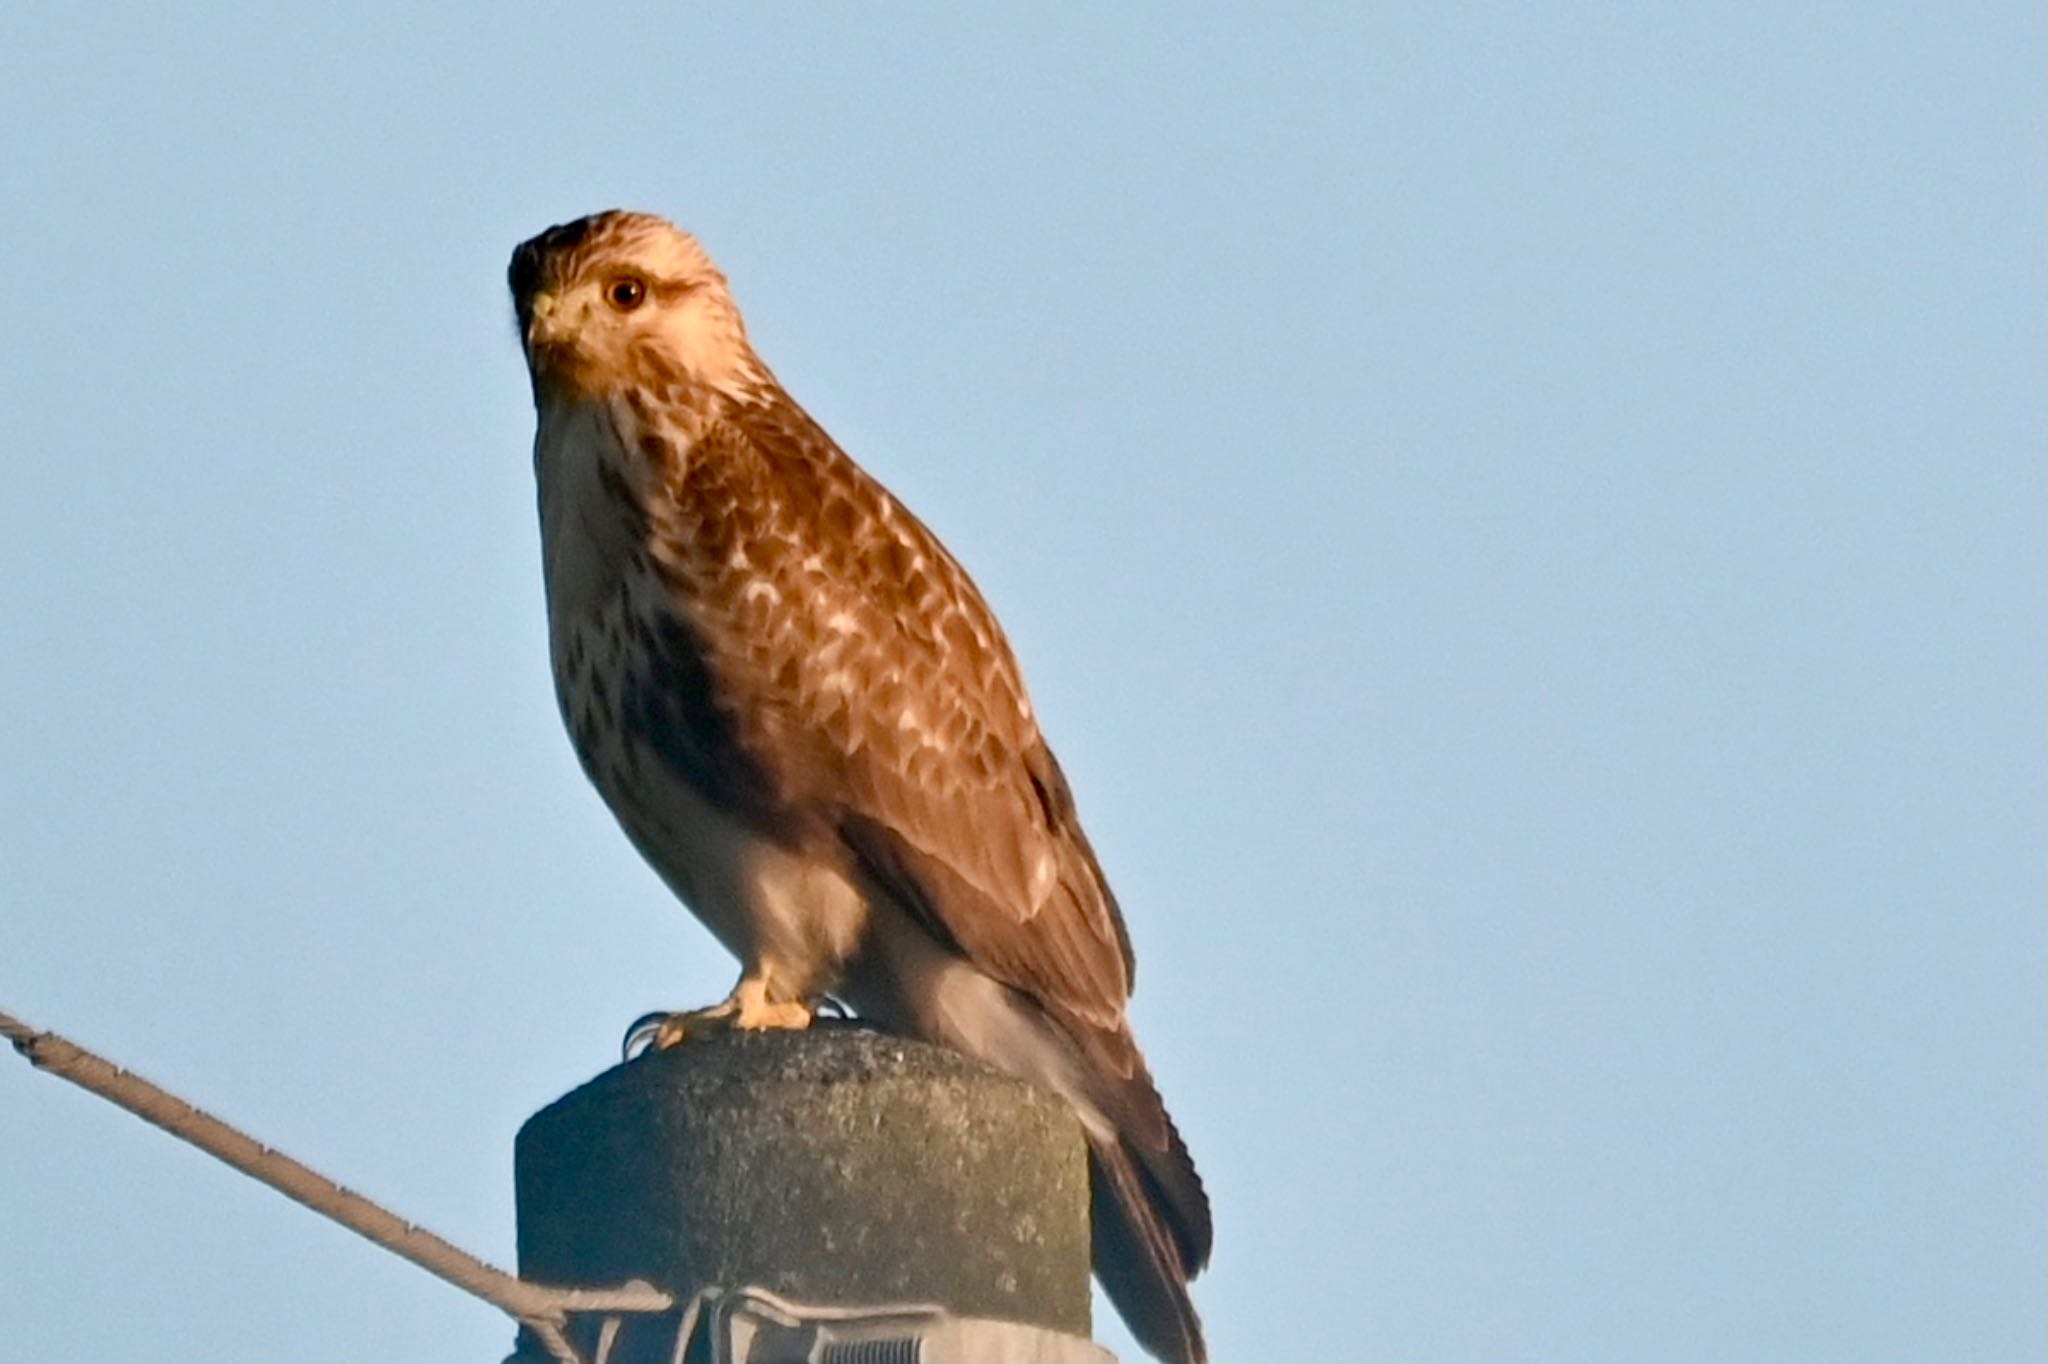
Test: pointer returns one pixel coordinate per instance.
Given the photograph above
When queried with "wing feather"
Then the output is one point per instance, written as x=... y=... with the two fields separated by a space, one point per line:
x=923 y=742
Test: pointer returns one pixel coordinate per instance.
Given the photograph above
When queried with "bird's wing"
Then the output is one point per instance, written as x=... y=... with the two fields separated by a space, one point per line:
x=926 y=750
x=866 y=682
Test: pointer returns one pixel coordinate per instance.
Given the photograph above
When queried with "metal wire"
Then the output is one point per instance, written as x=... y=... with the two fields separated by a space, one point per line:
x=542 y=1309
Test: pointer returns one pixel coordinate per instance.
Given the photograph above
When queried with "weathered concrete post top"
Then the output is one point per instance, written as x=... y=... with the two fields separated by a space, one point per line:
x=834 y=1165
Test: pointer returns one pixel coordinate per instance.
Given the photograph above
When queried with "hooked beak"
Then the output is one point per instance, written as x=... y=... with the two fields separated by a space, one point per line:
x=541 y=322
x=540 y=318
x=532 y=302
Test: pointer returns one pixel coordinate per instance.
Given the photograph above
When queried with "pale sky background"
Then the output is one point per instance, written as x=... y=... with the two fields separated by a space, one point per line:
x=1524 y=524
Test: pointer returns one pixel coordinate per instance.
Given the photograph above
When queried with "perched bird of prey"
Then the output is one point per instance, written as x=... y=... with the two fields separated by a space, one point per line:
x=805 y=717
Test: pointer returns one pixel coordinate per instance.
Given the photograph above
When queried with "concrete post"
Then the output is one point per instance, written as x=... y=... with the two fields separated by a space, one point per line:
x=835 y=1165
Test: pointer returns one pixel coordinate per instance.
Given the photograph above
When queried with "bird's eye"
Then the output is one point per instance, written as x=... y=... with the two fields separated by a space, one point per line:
x=626 y=292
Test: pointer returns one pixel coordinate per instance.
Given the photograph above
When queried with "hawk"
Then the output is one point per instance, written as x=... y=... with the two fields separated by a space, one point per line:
x=806 y=718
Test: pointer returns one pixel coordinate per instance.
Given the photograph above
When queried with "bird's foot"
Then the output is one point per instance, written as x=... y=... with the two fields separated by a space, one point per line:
x=747 y=1008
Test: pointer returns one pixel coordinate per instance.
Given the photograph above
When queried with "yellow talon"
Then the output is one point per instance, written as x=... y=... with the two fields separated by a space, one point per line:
x=747 y=1007
x=757 y=1012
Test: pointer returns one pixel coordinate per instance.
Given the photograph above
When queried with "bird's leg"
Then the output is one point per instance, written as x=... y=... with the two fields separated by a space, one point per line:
x=748 y=1008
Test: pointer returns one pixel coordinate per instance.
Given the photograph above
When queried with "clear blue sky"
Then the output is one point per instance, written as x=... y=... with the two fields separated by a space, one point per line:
x=1524 y=523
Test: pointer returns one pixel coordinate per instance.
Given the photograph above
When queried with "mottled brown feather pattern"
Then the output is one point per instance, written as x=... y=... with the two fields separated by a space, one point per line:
x=846 y=642
x=737 y=608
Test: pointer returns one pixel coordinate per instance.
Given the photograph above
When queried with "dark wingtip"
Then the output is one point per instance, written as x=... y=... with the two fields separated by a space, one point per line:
x=1171 y=1176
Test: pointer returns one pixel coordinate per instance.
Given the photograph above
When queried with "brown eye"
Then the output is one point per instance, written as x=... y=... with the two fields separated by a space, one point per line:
x=626 y=292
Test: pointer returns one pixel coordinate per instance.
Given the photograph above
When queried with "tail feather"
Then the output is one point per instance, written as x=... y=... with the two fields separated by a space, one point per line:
x=1152 y=1228
x=1151 y=1222
x=1142 y=1256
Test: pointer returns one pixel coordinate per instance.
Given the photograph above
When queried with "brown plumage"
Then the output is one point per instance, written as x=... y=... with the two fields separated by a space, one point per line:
x=808 y=721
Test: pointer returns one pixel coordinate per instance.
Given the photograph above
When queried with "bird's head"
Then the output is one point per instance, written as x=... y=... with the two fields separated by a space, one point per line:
x=620 y=300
